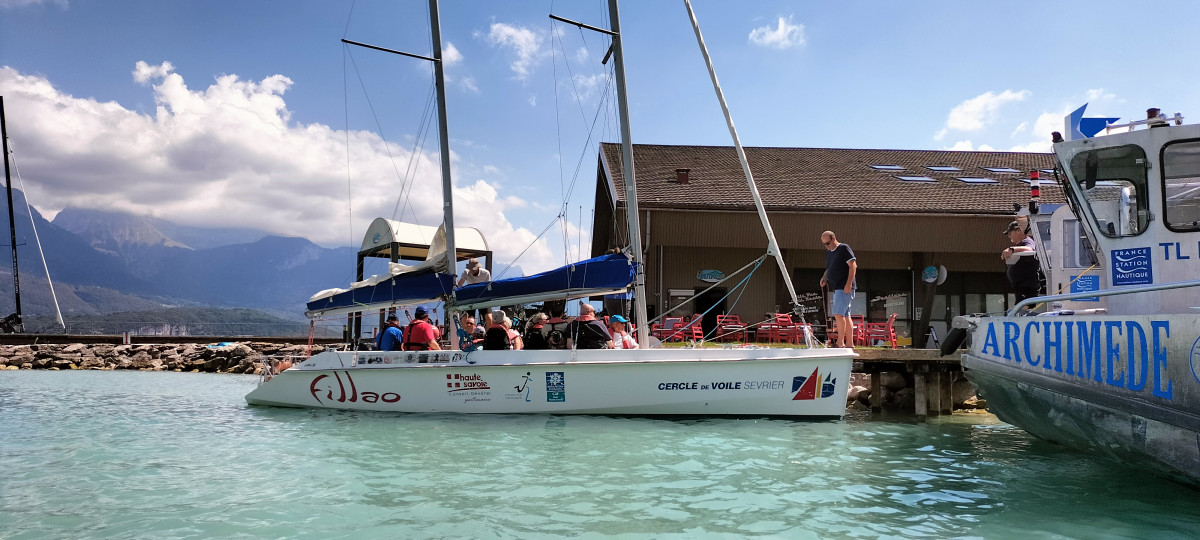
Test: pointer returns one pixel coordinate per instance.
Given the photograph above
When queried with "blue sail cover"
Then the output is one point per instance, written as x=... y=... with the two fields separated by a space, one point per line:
x=404 y=289
x=599 y=275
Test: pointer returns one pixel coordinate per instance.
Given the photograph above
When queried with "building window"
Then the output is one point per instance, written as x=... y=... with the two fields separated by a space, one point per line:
x=887 y=167
x=1001 y=169
x=1181 y=185
x=943 y=168
x=916 y=178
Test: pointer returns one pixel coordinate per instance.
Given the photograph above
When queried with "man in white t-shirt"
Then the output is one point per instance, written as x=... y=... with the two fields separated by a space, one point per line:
x=474 y=274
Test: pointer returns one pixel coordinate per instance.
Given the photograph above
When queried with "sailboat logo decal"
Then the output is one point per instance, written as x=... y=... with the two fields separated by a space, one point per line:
x=806 y=387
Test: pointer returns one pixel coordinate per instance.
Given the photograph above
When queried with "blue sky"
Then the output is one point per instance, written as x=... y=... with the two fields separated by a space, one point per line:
x=253 y=114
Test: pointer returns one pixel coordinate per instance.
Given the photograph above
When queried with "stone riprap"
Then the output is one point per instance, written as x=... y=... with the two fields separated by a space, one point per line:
x=242 y=357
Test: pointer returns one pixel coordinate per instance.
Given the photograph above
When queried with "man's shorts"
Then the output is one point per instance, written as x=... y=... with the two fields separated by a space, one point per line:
x=841 y=302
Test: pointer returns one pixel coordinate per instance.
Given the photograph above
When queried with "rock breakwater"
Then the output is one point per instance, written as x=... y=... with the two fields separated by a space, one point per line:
x=242 y=357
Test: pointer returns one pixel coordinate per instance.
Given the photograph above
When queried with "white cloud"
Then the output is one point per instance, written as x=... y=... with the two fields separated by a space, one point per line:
x=784 y=35
x=468 y=84
x=450 y=55
x=585 y=87
x=525 y=44
x=1098 y=94
x=976 y=113
x=1021 y=128
x=228 y=155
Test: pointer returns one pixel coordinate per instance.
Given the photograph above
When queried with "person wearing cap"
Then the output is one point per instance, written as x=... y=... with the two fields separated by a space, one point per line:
x=840 y=268
x=1022 y=264
x=391 y=337
x=620 y=338
x=420 y=334
x=474 y=273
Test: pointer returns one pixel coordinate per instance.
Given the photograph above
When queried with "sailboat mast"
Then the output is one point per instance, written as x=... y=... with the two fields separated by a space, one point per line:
x=772 y=243
x=439 y=79
x=12 y=223
x=631 y=204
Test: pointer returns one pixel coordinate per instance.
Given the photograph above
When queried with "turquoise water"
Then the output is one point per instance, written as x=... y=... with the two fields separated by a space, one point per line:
x=90 y=454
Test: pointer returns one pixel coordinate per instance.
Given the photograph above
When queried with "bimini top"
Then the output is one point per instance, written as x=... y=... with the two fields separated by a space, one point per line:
x=412 y=241
x=599 y=275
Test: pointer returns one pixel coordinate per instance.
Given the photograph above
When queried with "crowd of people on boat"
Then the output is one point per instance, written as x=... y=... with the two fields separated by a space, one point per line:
x=542 y=331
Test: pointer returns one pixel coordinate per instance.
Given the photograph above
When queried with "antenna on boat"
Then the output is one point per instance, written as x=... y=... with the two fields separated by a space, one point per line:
x=11 y=324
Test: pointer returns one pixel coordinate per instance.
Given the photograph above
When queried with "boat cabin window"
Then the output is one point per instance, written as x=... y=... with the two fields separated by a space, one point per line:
x=1113 y=183
x=1181 y=185
x=1077 y=249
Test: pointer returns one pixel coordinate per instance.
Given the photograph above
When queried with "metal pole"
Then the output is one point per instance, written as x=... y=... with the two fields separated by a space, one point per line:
x=444 y=136
x=631 y=204
x=772 y=243
x=12 y=223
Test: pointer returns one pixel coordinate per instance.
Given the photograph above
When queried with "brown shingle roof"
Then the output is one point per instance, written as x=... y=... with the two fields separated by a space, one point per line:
x=830 y=179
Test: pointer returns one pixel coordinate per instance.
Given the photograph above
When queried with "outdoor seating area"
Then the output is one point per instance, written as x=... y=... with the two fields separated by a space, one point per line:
x=776 y=328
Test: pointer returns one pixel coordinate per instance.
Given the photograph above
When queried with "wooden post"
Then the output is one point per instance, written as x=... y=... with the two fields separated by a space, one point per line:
x=876 y=393
x=935 y=392
x=947 y=392
x=921 y=394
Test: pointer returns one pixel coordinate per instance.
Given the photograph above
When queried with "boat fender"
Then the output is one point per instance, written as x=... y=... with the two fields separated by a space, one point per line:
x=954 y=338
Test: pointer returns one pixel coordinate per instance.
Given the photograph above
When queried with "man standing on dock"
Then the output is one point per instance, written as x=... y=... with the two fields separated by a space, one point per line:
x=840 y=269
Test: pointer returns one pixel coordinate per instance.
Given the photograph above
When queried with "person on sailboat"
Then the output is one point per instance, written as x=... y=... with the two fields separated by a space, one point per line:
x=474 y=273
x=620 y=338
x=470 y=335
x=840 y=269
x=500 y=336
x=585 y=332
x=534 y=338
x=555 y=329
x=420 y=334
x=391 y=337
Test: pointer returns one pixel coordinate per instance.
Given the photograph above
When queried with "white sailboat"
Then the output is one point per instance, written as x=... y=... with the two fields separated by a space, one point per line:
x=798 y=382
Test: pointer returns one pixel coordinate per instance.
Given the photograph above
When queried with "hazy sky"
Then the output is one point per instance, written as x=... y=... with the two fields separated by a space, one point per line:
x=253 y=114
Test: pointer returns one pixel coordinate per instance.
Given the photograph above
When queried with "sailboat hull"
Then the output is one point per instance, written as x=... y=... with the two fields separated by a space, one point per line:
x=675 y=382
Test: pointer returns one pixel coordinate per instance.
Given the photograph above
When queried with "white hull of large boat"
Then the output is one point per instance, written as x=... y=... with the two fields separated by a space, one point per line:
x=699 y=382
x=1126 y=387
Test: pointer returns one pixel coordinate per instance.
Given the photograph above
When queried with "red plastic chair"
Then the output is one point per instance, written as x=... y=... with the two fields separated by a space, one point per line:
x=884 y=332
x=730 y=328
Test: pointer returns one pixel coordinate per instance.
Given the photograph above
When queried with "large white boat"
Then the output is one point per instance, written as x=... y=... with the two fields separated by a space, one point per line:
x=798 y=382
x=1112 y=367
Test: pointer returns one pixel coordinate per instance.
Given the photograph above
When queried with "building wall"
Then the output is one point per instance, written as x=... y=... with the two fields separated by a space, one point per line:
x=891 y=250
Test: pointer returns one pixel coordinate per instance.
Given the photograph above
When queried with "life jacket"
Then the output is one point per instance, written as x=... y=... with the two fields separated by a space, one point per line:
x=534 y=339
x=588 y=334
x=413 y=345
x=496 y=339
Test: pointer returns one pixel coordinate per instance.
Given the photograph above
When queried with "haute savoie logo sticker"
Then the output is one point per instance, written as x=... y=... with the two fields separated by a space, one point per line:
x=1132 y=266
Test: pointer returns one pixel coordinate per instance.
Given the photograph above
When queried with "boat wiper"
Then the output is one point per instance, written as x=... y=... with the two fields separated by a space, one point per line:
x=1089 y=170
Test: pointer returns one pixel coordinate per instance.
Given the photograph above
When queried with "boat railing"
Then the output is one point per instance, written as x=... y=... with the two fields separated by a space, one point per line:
x=1107 y=292
x=275 y=364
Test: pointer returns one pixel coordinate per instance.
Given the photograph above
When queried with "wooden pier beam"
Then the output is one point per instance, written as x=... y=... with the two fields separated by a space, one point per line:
x=876 y=392
x=934 y=388
x=947 y=389
x=921 y=393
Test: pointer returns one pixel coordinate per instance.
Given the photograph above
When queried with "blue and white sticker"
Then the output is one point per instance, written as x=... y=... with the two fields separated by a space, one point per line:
x=1132 y=266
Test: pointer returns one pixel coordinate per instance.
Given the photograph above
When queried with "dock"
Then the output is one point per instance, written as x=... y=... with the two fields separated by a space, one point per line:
x=933 y=376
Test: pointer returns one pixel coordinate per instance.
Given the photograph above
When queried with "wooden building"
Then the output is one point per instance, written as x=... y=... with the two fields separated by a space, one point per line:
x=902 y=211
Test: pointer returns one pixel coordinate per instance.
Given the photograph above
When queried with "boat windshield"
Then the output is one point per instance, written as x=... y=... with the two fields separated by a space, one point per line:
x=1181 y=185
x=1113 y=184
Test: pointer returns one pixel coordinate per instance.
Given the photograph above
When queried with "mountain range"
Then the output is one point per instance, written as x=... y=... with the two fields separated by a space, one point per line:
x=105 y=262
